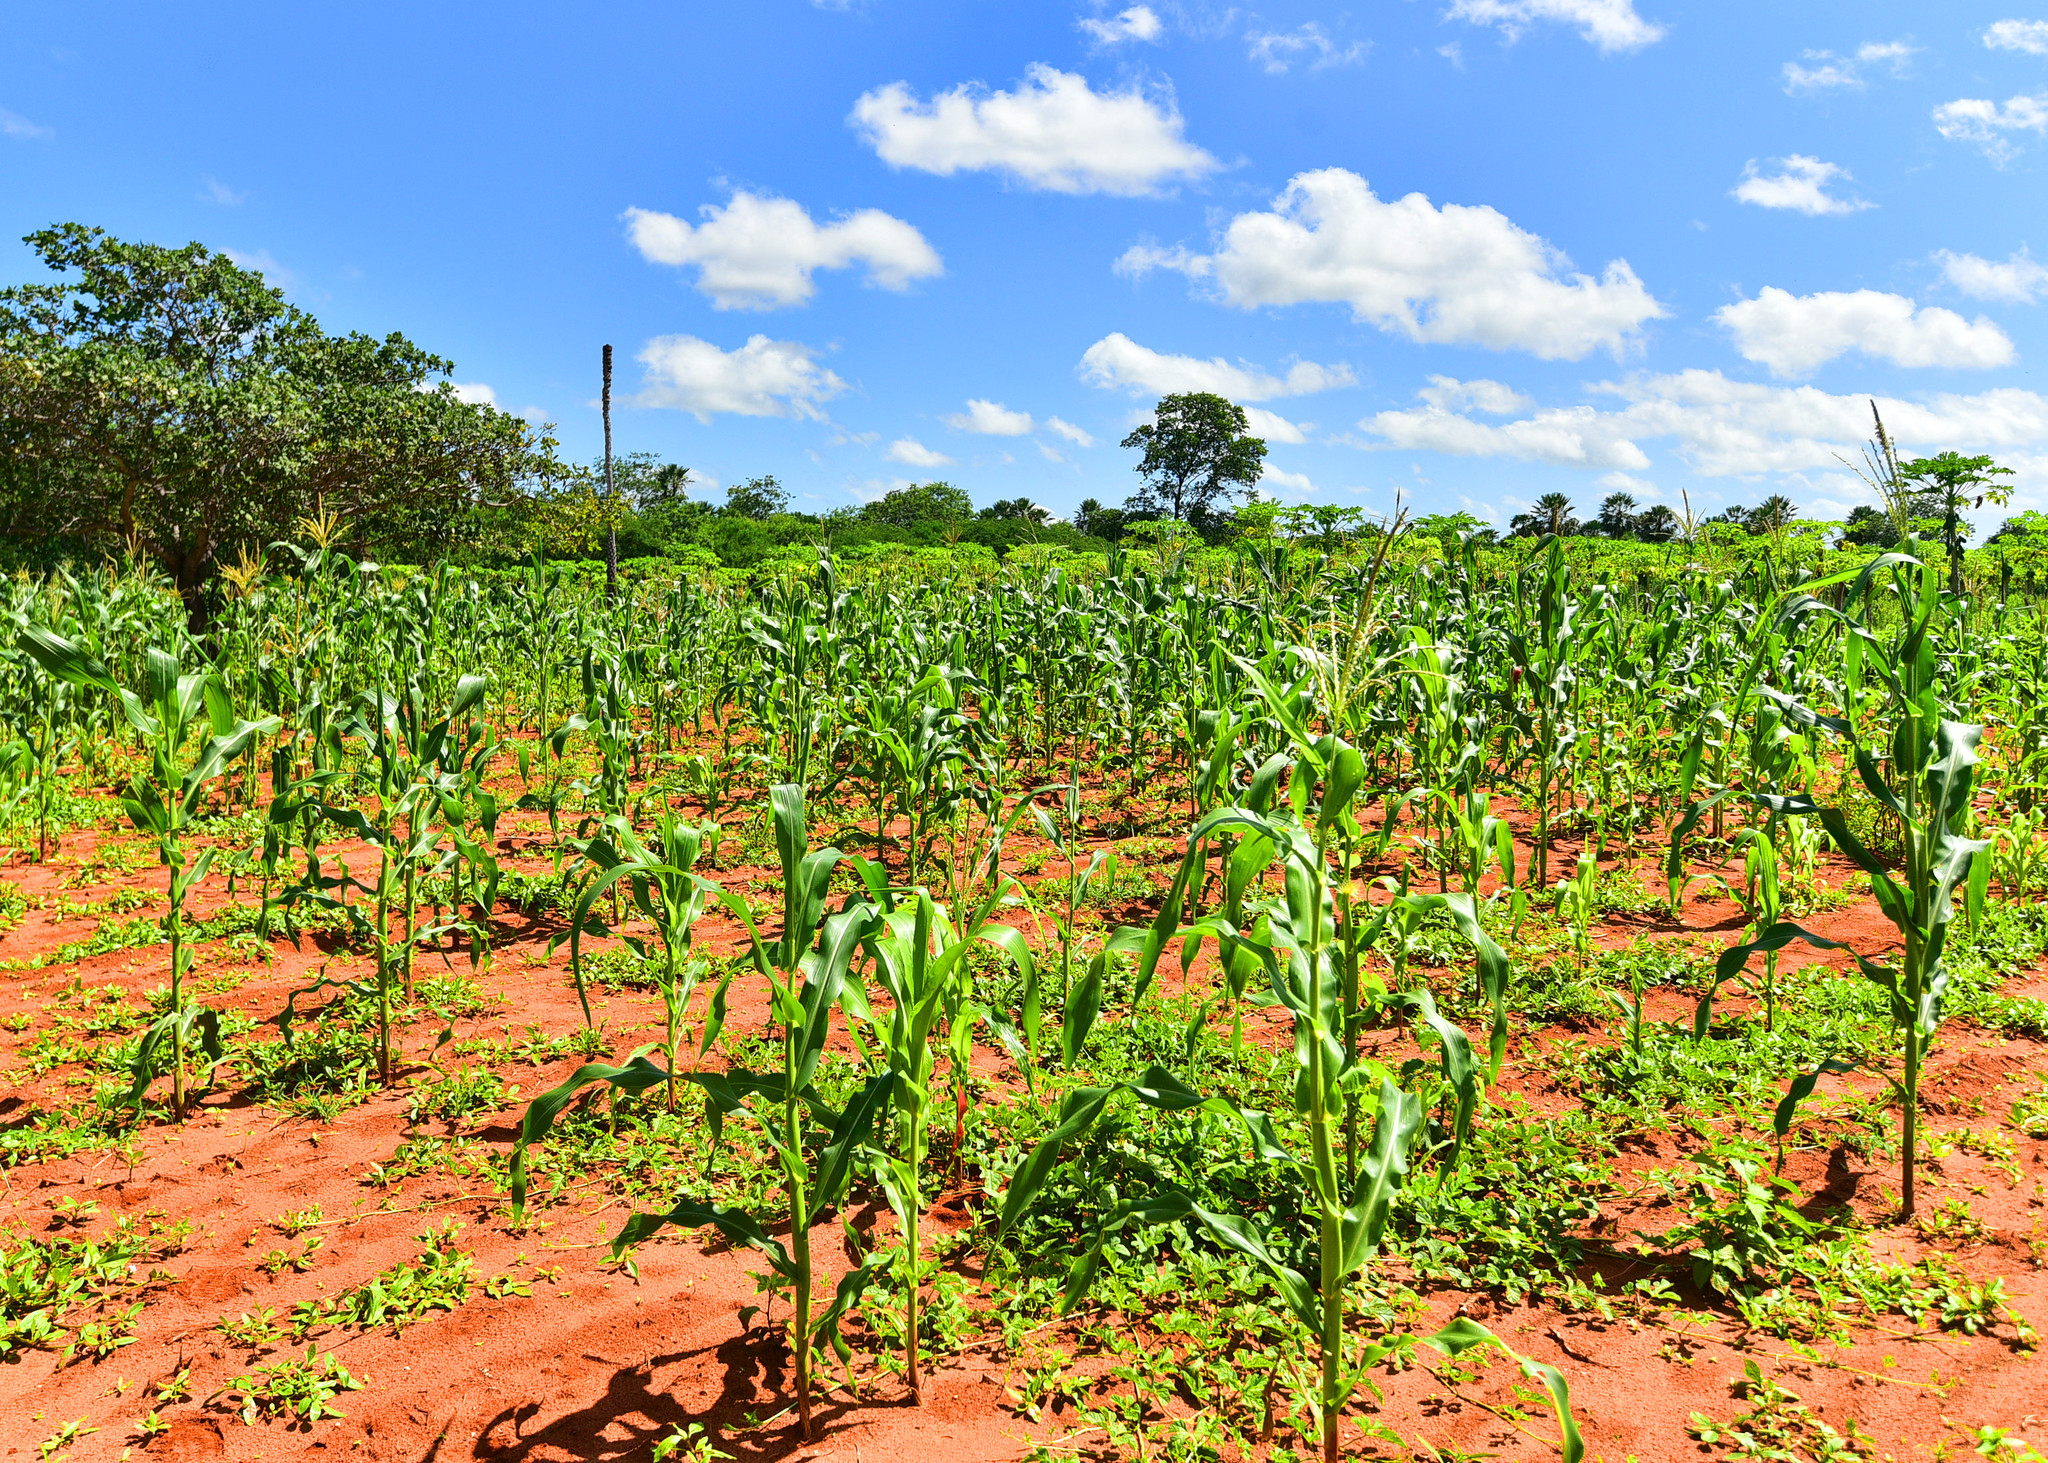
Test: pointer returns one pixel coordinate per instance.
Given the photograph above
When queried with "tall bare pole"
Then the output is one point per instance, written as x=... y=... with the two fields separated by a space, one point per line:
x=611 y=528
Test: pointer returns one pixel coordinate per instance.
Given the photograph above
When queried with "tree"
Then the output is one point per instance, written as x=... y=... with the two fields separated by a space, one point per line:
x=935 y=503
x=1096 y=521
x=1197 y=451
x=171 y=399
x=1656 y=524
x=1770 y=515
x=1618 y=516
x=1870 y=528
x=756 y=498
x=1942 y=487
x=1551 y=513
x=1022 y=509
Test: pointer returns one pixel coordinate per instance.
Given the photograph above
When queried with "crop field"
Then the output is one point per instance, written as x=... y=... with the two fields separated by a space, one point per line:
x=1434 y=1002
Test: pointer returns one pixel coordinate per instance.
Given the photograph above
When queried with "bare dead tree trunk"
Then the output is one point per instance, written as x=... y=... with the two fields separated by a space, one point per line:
x=611 y=529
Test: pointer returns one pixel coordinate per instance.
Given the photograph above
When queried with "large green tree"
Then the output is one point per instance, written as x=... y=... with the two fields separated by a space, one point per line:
x=920 y=503
x=171 y=399
x=1197 y=450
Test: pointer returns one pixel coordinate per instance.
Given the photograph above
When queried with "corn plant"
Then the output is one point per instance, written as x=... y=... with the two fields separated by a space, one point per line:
x=1578 y=900
x=163 y=803
x=418 y=787
x=669 y=896
x=1923 y=781
x=808 y=967
x=1349 y=1193
x=920 y=961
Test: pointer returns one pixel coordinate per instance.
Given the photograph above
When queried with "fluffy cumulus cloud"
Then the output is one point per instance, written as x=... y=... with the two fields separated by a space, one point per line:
x=1273 y=427
x=1825 y=71
x=763 y=378
x=990 y=419
x=1120 y=363
x=1053 y=132
x=476 y=393
x=1297 y=483
x=913 y=453
x=1611 y=25
x=1794 y=334
x=758 y=253
x=1490 y=397
x=1455 y=275
x=1569 y=437
x=1276 y=51
x=2018 y=280
x=1079 y=436
x=1139 y=23
x=1799 y=183
x=1991 y=126
x=2030 y=36
x=1723 y=428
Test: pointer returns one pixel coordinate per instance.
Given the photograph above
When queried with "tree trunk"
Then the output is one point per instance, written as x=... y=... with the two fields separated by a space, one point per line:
x=611 y=529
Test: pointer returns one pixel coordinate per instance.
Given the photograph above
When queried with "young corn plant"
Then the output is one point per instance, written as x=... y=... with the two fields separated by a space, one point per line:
x=920 y=960
x=669 y=896
x=808 y=967
x=1350 y=1195
x=163 y=803
x=417 y=769
x=1922 y=776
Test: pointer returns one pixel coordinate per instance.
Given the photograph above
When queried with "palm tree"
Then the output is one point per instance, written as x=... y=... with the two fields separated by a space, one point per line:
x=1618 y=516
x=1551 y=513
x=1657 y=525
x=1771 y=515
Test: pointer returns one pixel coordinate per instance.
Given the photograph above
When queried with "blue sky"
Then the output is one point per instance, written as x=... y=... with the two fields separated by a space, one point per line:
x=1468 y=250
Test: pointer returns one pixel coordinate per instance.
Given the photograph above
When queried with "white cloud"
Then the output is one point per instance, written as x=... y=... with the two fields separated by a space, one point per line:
x=1985 y=124
x=1794 y=334
x=991 y=419
x=13 y=124
x=2030 y=36
x=476 y=393
x=264 y=263
x=1570 y=437
x=1726 y=428
x=1611 y=25
x=1800 y=183
x=213 y=190
x=1488 y=396
x=759 y=253
x=1117 y=361
x=1621 y=482
x=1895 y=54
x=1071 y=432
x=1277 y=50
x=1139 y=23
x=1297 y=483
x=2018 y=280
x=1273 y=427
x=1053 y=132
x=913 y=453
x=1456 y=275
x=763 y=378
x=1828 y=72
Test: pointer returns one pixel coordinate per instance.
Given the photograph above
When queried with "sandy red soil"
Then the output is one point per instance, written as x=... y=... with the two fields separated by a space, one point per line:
x=595 y=1364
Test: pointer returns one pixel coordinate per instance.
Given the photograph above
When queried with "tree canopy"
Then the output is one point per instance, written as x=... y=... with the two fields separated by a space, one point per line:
x=171 y=399
x=940 y=503
x=1197 y=450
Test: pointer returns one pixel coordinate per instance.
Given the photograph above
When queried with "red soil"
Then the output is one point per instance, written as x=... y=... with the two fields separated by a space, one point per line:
x=598 y=1365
